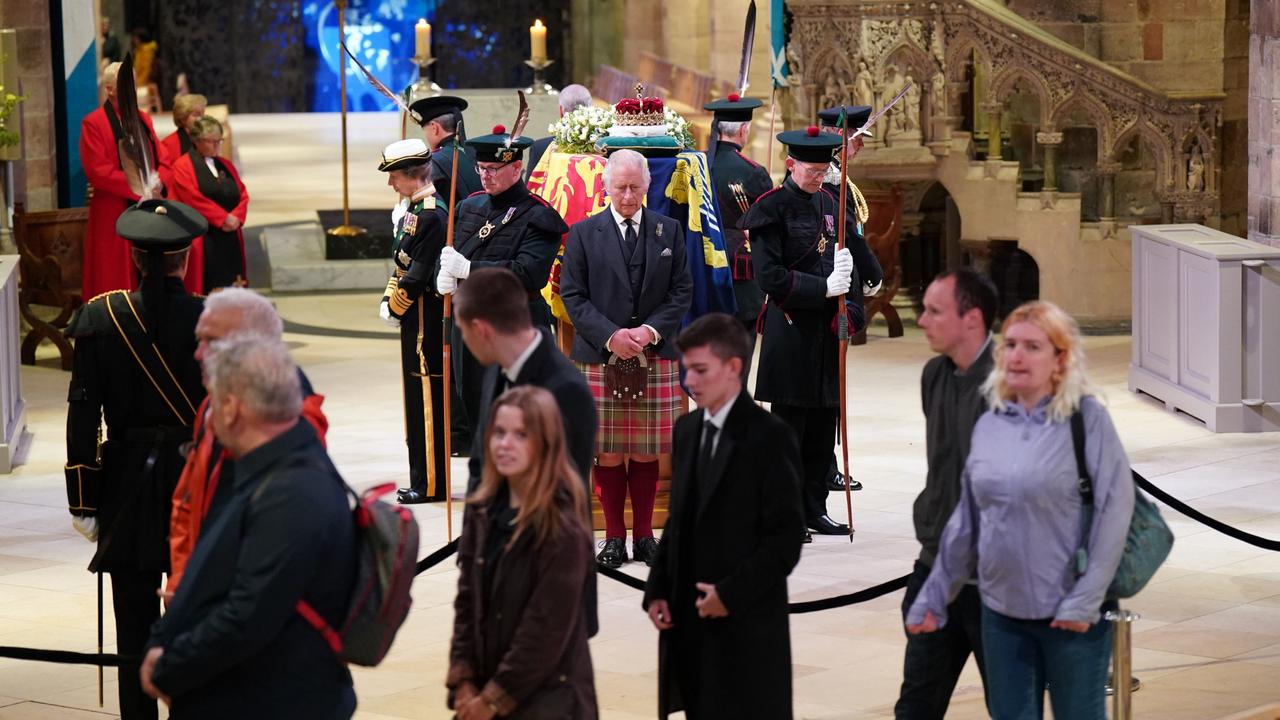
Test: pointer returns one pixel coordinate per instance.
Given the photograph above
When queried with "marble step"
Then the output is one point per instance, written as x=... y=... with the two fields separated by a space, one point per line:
x=296 y=254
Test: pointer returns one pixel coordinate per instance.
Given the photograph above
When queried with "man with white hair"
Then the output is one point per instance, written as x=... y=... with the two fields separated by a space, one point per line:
x=208 y=478
x=232 y=643
x=572 y=97
x=107 y=263
x=625 y=283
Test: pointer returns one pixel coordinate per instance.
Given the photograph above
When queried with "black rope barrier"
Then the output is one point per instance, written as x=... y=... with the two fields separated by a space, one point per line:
x=1194 y=514
x=436 y=557
x=66 y=657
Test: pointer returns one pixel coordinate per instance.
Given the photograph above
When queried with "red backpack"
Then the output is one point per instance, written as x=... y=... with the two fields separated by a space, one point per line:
x=388 y=556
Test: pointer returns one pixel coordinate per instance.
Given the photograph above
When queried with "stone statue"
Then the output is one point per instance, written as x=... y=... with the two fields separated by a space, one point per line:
x=938 y=94
x=1195 y=170
x=911 y=106
x=863 y=86
x=834 y=92
x=795 y=81
x=893 y=83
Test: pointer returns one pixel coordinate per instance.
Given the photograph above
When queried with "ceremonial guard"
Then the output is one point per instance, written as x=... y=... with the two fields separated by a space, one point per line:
x=440 y=117
x=412 y=305
x=739 y=182
x=135 y=368
x=504 y=226
x=793 y=231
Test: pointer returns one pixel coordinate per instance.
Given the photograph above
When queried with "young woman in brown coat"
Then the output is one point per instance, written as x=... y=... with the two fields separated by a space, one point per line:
x=519 y=633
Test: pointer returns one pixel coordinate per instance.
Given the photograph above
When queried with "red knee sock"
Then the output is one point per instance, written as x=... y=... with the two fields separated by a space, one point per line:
x=642 y=478
x=611 y=484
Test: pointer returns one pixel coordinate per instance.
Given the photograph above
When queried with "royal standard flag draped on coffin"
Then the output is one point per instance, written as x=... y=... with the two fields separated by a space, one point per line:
x=679 y=187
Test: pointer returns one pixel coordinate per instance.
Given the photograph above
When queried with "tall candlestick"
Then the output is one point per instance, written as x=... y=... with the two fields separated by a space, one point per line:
x=538 y=41
x=422 y=39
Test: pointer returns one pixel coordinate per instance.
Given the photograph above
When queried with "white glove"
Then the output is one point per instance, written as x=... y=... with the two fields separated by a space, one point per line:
x=86 y=526
x=455 y=263
x=869 y=290
x=839 y=280
x=445 y=282
x=384 y=312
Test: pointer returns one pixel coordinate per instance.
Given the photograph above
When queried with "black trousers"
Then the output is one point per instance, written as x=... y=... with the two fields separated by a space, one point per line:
x=427 y=478
x=815 y=429
x=137 y=608
x=934 y=660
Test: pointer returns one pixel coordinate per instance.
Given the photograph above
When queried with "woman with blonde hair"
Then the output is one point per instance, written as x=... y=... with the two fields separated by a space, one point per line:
x=519 y=633
x=187 y=109
x=1018 y=526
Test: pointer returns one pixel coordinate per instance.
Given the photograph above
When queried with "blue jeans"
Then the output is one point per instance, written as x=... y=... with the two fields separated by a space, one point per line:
x=1025 y=656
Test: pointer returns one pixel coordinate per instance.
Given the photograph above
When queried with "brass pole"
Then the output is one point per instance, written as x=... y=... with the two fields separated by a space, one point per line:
x=1121 y=663
x=346 y=229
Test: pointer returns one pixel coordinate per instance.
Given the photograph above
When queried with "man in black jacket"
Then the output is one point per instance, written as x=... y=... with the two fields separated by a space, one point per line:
x=959 y=310
x=718 y=588
x=134 y=367
x=493 y=319
x=233 y=644
x=440 y=117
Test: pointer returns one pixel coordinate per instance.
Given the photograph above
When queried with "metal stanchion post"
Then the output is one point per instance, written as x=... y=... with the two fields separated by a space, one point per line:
x=1121 y=663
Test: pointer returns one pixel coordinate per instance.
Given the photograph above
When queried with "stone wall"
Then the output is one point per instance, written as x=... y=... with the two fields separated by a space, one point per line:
x=36 y=173
x=1264 y=122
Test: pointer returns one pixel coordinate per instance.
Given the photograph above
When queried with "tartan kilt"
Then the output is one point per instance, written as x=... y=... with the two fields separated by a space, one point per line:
x=640 y=427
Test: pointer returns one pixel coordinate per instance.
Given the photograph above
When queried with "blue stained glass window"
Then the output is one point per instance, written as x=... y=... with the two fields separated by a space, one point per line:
x=380 y=34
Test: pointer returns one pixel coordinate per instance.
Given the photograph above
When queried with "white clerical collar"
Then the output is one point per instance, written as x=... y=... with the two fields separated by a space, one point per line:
x=513 y=372
x=213 y=166
x=619 y=220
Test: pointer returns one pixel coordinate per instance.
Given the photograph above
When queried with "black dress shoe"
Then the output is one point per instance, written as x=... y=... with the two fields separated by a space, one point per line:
x=835 y=483
x=826 y=526
x=613 y=554
x=808 y=537
x=645 y=550
x=413 y=497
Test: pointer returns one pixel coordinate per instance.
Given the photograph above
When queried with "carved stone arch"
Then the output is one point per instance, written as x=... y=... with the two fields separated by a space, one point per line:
x=1003 y=86
x=829 y=58
x=1084 y=100
x=960 y=53
x=1161 y=149
x=919 y=64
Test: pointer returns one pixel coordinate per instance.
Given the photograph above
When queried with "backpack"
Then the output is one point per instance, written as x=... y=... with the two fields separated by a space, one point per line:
x=387 y=536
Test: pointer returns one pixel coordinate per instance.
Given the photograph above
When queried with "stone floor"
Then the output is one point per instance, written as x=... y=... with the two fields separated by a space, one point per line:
x=1207 y=646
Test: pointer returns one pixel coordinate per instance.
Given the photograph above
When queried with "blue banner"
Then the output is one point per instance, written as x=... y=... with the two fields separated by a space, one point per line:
x=75 y=91
x=778 y=43
x=680 y=188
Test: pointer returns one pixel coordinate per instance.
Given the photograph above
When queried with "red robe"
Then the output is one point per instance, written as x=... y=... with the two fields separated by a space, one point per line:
x=173 y=144
x=107 y=261
x=186 y=189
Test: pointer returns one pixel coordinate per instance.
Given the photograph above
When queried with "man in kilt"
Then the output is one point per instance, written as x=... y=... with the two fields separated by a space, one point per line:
x=626 y=286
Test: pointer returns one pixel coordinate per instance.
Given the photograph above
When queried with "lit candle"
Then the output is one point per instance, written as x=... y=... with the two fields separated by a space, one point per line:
x=538 y=41
x=422 y=39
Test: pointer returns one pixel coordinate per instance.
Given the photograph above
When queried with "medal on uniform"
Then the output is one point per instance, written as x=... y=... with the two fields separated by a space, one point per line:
x=831 y=224
x=403 y=257
x=411 y=224
x=484 y=231
x=507 y=218
x=658 y=230
x=822 y=243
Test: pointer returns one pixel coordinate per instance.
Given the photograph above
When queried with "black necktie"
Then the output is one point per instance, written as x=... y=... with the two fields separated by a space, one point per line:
x=708 y=445
x=630 y=237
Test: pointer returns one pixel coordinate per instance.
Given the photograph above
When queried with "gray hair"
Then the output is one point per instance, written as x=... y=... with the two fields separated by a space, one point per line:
x=206 y=127
x=573 y=97
x=621 y=158
x=260 y=373
x=258 y=317
x=732 y=128
x=111 y=73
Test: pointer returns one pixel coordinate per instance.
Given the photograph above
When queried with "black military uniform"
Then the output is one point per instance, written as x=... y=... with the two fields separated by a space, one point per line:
x=514 y=229
x=135 y=367
x=794 y=237
x=739 y=182
x=429 y=109
x=411 y=298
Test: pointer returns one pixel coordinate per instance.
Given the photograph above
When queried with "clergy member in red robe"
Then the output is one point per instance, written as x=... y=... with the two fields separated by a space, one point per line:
x=187 y=109
x=211 y=185
x=108 y=264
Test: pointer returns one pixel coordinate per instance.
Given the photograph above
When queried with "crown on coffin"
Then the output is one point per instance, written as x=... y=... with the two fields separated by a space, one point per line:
x=639 y=110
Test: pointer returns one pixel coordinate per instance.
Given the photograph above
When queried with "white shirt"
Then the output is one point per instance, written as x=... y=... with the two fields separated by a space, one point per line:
x=513 y=372
x=213 y=166
x=717 y=419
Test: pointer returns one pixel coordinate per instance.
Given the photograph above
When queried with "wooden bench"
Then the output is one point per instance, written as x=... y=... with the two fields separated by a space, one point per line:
x=655 y=70
x=612 y=84
x=51 y=247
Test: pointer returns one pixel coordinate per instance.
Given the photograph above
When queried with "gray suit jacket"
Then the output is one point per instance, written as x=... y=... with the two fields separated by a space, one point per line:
x=596 y=289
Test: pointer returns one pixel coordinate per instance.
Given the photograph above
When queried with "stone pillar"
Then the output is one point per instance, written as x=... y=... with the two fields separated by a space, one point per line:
x=1107 y=192
x=992 y=112
x=1264 y=122
x=35 y=172
x=1050 y=142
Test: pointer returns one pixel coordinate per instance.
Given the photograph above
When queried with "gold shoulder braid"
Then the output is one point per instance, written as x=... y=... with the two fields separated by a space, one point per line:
x=859 y=203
